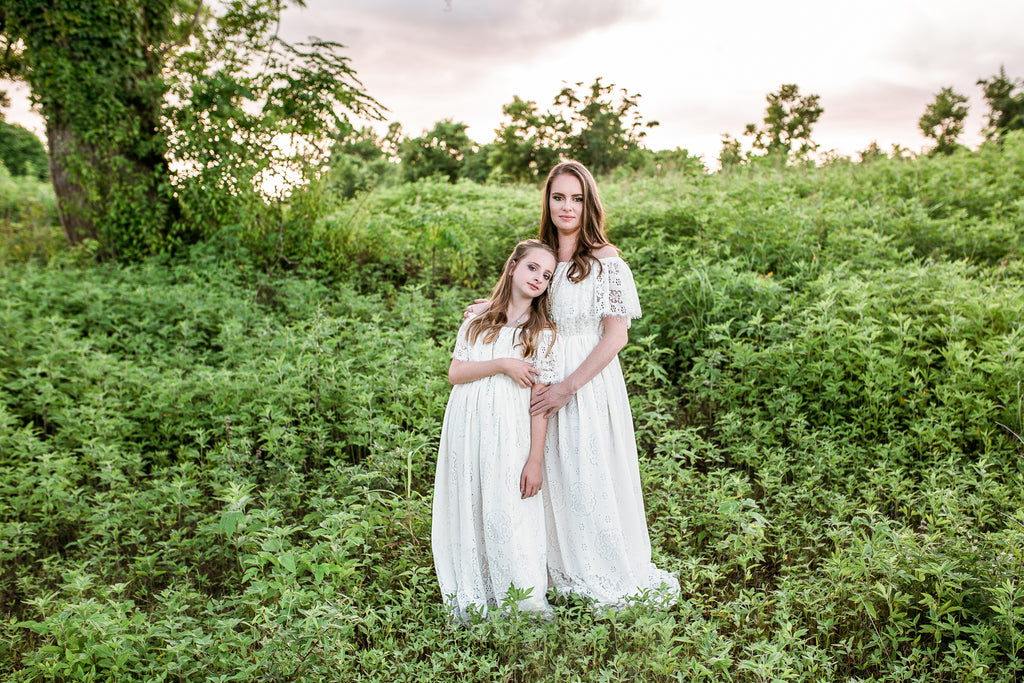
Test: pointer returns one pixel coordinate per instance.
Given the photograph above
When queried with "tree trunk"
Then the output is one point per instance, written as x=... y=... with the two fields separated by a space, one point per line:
x=110 y=193
x=95 y=67
x=72 y=204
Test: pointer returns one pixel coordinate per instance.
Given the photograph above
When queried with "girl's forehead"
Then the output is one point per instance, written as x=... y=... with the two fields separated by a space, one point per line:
x=540 y=256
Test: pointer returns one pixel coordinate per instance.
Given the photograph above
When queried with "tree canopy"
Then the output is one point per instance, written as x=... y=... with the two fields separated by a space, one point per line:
x=943 y=120
x=599 y=125
x=785 y=132
x=444 y=150
x=1005 y=98
x=166 y=117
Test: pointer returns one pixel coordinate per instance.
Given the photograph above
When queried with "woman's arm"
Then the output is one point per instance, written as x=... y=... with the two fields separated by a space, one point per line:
x=464 y=371
x=478 y=307
x=533 y=471
x=549 y=400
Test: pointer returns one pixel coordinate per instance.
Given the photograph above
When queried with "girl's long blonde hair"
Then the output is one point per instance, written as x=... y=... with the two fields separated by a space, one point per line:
x=490 y=322
x=592 y=235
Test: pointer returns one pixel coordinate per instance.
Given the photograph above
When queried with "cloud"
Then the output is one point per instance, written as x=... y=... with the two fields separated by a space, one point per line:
x=479 y=30
x=703 y=69
x=426 y=60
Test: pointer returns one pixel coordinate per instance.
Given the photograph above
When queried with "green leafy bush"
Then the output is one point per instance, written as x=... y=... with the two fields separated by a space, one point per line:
x=219 y=466
x=29 y=224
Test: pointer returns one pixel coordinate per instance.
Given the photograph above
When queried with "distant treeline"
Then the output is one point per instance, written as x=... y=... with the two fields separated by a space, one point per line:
x=160 y=132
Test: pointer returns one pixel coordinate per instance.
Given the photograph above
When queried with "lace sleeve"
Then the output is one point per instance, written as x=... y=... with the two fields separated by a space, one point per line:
x=546 y=360
x=616 y=292
x=461 y=351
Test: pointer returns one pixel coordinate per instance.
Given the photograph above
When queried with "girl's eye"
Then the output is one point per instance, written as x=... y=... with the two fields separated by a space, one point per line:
x=532 y=267
x=547 y=276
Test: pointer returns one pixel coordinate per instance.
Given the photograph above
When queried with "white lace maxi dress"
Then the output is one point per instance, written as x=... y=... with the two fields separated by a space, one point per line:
x=484 y=536
x=598 y=544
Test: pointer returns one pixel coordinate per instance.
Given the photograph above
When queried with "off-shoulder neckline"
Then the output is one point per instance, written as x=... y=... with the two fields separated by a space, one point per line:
x=606 y=258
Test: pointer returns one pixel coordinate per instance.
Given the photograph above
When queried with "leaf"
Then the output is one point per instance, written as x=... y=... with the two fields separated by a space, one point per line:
x=287 y=561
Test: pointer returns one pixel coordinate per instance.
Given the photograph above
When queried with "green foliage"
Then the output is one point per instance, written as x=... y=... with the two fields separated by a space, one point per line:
x=599 y=126
x=871 y=152
x=443 y=151
x=29 y=225
x=22 y=152
x=731 y=154
x=360 y=161
x=210 y=470
x=1005 y=100
x=522 y=150
x=943 y=120
x=131 y=90
x=429 y=231
x=788 y=120
x=665 y=162
x=243 y=136
x=95 y=71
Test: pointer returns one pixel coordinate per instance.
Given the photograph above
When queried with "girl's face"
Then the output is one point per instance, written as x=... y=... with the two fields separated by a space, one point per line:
x=533 y=272
x=565 y=202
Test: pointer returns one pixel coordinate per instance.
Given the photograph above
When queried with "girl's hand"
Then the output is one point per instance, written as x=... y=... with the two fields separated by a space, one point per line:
x=521 y=372
x=531 y=479
x=549 y=400
x=477 y=307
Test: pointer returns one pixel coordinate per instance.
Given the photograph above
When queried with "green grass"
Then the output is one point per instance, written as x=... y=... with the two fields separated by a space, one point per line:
x=212 y=470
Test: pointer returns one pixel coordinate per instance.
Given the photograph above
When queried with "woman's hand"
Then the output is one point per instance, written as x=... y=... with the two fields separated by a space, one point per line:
x=522 y=372
x=531 y=479
x=477 y=307
x=549 y=400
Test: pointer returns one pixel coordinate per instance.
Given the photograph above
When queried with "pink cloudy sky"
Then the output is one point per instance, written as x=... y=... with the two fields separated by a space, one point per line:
x=702 y=68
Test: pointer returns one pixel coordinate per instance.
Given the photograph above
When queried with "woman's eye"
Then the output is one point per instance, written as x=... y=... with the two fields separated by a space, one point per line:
x=578 y=200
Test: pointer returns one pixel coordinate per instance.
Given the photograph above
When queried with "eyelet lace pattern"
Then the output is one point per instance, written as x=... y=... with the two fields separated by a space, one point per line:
x=484 y=536
x=598 y=543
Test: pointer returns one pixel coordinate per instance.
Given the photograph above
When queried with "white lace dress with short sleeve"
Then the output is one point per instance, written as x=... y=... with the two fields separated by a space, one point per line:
x=598 y=544
x=484 y=536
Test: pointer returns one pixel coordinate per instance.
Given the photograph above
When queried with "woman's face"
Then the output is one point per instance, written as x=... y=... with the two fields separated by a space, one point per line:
x=565 y=202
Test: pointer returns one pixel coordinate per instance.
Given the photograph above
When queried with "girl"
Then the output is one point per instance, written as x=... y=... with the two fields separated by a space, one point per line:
x=598 y=543
x=488 y=523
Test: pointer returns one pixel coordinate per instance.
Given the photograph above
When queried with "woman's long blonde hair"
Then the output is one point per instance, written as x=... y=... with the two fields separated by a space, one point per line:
x=591 y=235
x=490 y=322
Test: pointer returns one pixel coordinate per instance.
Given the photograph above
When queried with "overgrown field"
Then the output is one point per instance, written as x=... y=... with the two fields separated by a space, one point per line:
x=215 y=470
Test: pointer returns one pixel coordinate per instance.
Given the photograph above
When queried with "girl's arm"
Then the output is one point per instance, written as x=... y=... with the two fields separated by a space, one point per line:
x=533 y=472
x=465 y=371
x=548 y=400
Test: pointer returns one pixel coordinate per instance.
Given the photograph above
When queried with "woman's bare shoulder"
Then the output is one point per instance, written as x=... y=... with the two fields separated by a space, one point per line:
x=606 y=251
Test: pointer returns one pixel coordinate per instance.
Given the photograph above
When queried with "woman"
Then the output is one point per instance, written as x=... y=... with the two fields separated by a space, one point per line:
x=598 y=544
